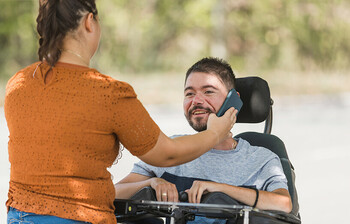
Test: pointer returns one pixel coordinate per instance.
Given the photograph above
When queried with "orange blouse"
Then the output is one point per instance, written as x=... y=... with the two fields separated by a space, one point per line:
x=63 y=136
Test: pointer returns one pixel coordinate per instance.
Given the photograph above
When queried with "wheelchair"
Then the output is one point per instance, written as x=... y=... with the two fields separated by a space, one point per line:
x=257 y=107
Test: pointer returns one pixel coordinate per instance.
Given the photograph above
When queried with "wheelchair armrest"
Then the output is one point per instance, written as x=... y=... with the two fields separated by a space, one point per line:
x=149 y=194
x=146 y=193
x=256 y=217
x=219 y=198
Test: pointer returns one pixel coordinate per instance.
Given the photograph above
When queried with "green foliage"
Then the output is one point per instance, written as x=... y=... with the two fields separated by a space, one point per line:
x=157 y=35
x=322 y=33
x=17 y=35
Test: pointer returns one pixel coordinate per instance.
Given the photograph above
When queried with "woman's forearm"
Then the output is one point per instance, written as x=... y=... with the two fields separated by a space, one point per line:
x=171 y=152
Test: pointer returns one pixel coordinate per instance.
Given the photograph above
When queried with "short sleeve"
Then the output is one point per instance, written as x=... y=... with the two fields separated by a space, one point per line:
x=133 y=126
x=143 y=169
x=273 y=175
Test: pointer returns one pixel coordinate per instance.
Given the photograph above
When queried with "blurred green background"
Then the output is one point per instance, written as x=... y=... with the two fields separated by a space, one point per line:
x=300 y=46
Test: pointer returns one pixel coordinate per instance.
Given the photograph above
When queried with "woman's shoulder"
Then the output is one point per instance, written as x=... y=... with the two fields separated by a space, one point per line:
x=97 y=79
x=118 y=88
x=19 y=75
x=28 y=68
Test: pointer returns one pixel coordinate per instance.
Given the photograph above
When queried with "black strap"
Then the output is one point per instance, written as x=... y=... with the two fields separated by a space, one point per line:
x=257 y=197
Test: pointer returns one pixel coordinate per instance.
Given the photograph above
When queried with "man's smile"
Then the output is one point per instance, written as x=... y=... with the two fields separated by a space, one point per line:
x=199 y=112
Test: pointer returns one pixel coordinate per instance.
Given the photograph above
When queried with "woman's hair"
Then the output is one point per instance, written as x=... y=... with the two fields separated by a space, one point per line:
x=56 y=18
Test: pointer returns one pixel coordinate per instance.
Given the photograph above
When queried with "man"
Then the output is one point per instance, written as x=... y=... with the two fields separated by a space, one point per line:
x=233 y=167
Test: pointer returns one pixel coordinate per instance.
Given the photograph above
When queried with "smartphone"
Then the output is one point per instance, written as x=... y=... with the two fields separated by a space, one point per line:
x=232 y=100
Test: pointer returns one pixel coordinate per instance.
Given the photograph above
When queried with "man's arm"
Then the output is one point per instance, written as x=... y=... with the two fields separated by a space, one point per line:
x=127 y=187
x=130 y=184
x=278 y=199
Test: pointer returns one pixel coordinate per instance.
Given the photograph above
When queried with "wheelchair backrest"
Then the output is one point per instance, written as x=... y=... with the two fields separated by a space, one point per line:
x=257 y=107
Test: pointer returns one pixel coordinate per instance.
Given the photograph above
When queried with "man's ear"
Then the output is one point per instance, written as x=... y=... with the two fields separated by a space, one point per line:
x=238 y=93
x=89 y=23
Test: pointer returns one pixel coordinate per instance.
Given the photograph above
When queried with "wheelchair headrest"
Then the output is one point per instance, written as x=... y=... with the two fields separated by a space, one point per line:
x=255 y=94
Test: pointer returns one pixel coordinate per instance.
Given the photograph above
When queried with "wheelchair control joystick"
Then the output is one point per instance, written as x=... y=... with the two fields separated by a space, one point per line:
x=183 y=196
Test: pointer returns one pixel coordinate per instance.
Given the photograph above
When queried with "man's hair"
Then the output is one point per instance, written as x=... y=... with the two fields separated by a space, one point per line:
x=217 y=67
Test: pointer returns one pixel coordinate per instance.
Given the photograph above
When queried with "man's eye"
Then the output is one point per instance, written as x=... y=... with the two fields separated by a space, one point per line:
x=209 y=92
x=189 y=94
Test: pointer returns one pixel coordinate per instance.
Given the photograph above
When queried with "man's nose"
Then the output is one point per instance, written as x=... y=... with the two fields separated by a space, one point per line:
x=198 y=99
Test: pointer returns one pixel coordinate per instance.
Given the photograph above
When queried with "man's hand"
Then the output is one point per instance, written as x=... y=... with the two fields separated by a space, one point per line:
x=199 y=188
x=165 y=191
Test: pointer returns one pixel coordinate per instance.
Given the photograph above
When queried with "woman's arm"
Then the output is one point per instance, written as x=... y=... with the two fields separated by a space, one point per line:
x=171 y=152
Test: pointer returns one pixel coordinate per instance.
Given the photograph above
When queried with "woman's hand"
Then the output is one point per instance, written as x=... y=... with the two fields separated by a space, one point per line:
x=165 y=191
x=222 y=125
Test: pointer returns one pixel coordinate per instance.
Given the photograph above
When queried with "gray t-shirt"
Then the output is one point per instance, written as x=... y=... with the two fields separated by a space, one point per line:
x=247 y=165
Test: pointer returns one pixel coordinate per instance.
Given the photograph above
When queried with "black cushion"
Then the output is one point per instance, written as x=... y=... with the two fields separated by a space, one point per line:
x=277 y=146
x=146 y=193
x=218 y=198
x=269 y=141
x=255 y=94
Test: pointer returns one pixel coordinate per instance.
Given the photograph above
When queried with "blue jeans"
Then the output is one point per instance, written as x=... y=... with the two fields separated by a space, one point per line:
x=15 y=216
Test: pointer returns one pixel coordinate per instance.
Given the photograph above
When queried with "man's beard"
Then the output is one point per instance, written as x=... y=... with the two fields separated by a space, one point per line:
x=198 y=124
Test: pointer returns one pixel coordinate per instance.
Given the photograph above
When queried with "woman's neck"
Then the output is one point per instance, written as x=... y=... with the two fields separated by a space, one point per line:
x=73 y=57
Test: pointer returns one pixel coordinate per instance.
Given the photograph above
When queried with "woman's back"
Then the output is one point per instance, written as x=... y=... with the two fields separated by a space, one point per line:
x=63 y=138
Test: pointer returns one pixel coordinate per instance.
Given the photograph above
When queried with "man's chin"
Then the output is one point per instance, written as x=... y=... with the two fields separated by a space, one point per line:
x=198 y=126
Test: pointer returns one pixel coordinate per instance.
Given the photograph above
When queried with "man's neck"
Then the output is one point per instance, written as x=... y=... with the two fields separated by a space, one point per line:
x=227 y=144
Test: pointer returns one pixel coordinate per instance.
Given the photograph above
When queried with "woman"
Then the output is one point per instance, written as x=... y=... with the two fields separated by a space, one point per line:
x=66 y=122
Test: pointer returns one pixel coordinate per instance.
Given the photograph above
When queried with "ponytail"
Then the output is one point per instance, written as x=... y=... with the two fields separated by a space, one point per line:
x=55 y=19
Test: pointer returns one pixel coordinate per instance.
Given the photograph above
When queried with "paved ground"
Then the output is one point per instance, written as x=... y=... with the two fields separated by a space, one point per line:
x=315 y=130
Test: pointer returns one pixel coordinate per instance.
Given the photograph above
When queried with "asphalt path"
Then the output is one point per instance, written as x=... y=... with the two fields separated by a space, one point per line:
x=315 y=130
